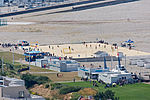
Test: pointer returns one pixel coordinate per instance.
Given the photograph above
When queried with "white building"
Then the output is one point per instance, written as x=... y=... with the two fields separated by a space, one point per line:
x=91 y=73
x=114 y=77
x=6 y=81
x=63 y=65
x=57 y=65
x=14 y=89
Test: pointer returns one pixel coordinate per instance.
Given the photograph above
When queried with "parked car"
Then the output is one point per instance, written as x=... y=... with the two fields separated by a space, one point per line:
x=23 y=43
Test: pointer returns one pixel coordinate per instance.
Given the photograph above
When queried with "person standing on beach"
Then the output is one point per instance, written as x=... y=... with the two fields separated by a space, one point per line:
x=104 y=46
x=95 y=47
x=129 y=47
x=74 y=80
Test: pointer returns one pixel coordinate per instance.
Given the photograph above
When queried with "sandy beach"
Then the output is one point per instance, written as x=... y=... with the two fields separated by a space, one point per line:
x=112 y=23
x=87 y=50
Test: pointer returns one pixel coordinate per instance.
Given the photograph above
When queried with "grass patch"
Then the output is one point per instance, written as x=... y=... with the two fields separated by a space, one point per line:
x=31 y=80
x=138 y=91
x=67 y=76
x=8 y=57
x=38 y=69
x=83 y=84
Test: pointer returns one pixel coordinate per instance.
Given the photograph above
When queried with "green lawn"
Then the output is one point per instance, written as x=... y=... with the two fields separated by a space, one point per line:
x=8 y=56
x=138 y=91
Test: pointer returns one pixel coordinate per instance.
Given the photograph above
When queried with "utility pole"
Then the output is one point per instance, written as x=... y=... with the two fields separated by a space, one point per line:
x=111 y=62
x=29 y=60
x=125 y=60
x=13 y=55
x=2 y=65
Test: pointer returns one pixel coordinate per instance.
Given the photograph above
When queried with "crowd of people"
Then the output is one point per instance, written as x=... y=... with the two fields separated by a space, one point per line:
x=5 y=45
x=9 y=45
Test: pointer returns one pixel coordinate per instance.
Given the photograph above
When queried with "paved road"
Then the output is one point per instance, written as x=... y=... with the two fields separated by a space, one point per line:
x=42 y=72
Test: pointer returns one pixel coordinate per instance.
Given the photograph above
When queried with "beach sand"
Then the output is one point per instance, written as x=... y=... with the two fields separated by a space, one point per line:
x=87 y=50
x=113 y=23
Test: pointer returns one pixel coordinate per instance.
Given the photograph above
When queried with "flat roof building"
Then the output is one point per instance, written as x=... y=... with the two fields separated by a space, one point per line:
x=14 y=89
x=91 y=73
x=114 y=77
x=57 y=64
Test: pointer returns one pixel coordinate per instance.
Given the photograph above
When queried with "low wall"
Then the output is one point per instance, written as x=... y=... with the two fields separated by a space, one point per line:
x=96 y=59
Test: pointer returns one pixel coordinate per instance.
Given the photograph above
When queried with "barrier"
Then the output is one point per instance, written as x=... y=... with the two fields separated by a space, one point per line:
x=96 y=59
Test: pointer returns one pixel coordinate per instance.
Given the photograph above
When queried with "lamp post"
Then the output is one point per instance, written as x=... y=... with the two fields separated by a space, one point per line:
x=29 y=60
x=2 y=65
x=125 y=60
x=13 y=55
x=111 y=62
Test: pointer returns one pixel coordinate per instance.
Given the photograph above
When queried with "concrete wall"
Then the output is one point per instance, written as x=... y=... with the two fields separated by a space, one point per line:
x=96 y=59
x=72 y=67
x=13 y=92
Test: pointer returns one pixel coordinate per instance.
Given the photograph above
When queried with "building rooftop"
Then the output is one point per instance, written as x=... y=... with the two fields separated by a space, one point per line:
x=6 y=81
